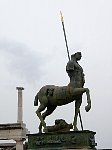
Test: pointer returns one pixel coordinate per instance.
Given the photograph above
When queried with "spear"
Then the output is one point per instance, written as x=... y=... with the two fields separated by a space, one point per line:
x=64 y=35
x=62 y=20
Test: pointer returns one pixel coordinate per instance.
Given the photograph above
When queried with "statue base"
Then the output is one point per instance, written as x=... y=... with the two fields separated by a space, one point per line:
x=62 y=140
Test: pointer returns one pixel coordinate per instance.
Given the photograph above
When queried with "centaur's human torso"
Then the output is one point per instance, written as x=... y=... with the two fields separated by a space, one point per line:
x=75 y=72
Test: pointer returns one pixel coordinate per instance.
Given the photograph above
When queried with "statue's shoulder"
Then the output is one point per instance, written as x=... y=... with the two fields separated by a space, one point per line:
x=70 y=65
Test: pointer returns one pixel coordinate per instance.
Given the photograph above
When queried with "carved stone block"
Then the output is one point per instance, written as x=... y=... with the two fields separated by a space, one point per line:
x=65 y=140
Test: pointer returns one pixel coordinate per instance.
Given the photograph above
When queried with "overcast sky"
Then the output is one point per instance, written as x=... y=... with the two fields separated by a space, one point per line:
x=33 y=54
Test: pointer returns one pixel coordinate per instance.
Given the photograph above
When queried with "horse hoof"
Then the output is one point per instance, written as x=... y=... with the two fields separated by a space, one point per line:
x=45 y=130
x=87 y=108
x=40 y=131
x=75 y=129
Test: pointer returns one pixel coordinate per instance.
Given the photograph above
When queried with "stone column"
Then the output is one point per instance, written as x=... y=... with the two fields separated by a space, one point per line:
x=20 y=108
x=19 y=144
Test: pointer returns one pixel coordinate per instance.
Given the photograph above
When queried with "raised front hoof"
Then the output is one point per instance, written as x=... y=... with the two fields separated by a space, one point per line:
x=88 y=107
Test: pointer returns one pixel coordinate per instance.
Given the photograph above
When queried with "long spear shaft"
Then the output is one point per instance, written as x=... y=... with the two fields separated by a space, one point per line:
x=62 y=20
x=80 y=120
x=64 y=35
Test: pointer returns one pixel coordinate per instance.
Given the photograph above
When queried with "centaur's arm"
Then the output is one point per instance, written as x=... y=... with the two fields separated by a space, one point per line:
x=69 y=66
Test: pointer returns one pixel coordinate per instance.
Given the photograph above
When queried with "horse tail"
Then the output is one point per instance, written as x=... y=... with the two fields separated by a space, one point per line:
x=36 y=100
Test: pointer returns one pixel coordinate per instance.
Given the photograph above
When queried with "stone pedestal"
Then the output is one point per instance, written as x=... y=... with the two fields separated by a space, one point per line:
x=61 y=141
x=14 y=131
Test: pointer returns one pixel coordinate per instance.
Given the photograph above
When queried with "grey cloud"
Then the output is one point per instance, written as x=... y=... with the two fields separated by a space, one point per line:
x=21 y=61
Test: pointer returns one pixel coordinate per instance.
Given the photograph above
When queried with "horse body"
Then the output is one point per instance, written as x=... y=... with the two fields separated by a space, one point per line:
x=56 y=95
x=51 y=96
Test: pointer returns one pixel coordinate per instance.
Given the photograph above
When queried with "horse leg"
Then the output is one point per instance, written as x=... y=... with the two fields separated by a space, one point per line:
x=40 y=127
x=81 y=91
x=38 y=112
x=88 y=107
x=77 y=109
x=49 y=110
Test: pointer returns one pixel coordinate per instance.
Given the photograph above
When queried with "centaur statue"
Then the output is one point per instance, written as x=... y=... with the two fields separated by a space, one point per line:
x=51 y=96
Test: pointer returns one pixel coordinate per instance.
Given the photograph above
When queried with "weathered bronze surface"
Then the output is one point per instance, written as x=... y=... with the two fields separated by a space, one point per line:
x=65 y=140
x=59 y=136
x=51 y=96
x=60 y=126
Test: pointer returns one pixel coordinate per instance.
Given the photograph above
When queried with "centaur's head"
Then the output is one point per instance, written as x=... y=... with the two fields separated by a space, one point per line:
x=77 y=56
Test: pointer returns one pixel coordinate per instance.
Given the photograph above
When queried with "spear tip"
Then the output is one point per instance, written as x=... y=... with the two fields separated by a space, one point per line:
x=61 y=16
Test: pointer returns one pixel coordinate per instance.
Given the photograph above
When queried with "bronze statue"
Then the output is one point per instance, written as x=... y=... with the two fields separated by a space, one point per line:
x=51 y=96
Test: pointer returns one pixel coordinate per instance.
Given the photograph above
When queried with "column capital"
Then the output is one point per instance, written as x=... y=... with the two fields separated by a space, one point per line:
x=19 y=139
x=19 y=88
